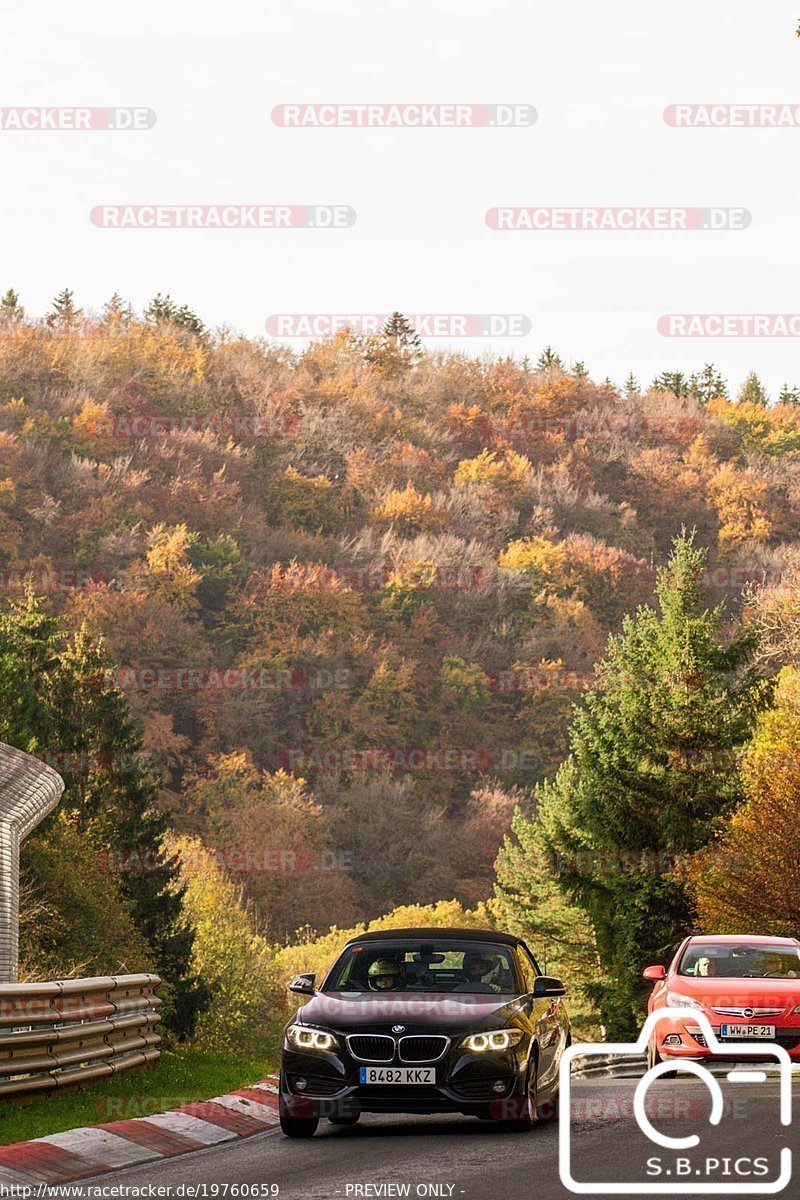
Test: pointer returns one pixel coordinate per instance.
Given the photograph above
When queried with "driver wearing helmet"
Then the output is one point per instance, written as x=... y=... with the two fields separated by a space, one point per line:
x=386 y=975
x=476 y=966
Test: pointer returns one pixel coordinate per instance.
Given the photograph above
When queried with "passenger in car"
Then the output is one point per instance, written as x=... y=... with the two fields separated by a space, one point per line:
x=477 y=968
x=707 y=967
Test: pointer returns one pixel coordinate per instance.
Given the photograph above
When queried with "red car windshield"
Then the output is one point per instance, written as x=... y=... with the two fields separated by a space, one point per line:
x=754 y=960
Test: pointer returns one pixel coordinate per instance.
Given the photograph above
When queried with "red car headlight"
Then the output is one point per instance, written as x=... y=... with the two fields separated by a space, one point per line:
x=678 y=1000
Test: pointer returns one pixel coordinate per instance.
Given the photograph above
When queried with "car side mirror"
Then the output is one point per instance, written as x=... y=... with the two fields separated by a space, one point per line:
x=548 y=985
x=304 y=985
x=654 y=973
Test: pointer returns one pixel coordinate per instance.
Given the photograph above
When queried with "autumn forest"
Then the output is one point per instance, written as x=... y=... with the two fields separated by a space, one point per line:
x=342 y=602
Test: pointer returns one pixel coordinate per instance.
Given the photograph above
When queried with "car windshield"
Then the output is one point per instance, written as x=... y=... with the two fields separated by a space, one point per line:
x=394 y=966
x=755 y=960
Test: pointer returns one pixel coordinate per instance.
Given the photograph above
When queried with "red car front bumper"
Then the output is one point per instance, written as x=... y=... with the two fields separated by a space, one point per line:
x=693 y=1045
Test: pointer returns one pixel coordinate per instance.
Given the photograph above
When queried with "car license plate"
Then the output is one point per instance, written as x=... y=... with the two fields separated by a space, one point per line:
x=397 y=1075
x=747 y=1031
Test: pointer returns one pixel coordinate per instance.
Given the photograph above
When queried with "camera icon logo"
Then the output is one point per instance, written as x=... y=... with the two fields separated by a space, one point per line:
x=678 y=1183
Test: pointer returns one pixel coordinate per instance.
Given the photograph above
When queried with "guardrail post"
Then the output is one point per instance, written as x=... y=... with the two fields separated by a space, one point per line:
x=29 y=790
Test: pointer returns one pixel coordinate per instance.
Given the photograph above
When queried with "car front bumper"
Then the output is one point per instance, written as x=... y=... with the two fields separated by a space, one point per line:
x=693 y=1044
x=466 y=1083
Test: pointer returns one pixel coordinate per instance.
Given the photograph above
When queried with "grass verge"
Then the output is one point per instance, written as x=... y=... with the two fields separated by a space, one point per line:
x=180 y=1075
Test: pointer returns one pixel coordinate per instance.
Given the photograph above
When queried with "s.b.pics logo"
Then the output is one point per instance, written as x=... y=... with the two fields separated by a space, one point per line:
x=711 y=1156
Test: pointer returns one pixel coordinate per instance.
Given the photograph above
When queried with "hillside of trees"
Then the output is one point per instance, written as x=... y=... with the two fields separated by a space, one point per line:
x=325 y=615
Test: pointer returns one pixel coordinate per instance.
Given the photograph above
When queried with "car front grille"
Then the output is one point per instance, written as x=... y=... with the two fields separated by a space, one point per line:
x=748 y=1012
x=422 y=1049
x=381 y=1048
x=371 y=1047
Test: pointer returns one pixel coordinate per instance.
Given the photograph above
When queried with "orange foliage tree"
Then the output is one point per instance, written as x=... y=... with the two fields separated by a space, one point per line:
x=748 y=879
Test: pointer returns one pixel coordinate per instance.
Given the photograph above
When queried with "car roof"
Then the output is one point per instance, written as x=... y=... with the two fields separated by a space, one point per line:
x=740 y=939
x=438 y=934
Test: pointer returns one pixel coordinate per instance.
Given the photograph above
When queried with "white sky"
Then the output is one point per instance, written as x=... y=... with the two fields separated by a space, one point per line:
x=599 y=75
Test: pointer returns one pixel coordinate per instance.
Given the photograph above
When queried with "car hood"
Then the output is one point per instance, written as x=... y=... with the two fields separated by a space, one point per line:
x=443 y=1011
x=753 y=993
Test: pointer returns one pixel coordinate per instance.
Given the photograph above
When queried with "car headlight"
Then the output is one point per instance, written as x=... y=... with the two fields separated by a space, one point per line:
x=678 y=1000
x=303 y=1037
x=496 y=1039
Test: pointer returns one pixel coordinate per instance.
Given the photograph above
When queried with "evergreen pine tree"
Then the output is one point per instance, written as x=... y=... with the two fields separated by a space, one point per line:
x=400 y=334
x=672 y=381
x=58 y=704
x=117 y=314
x=752 y=391
x=708 y=384
x=64 y=311
x=789 y=395
x=631 y=384
x=580 y=370
x=164 y=310
x=651 y=769
x=11 y=311
x=396 y=349
x=548 y=358
x=528 y=899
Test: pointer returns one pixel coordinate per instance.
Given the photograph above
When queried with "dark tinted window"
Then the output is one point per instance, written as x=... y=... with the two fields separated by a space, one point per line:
x=445 y=966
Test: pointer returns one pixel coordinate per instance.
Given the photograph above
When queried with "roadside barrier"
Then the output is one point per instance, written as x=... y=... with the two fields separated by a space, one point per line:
x=76 y=1031
x=585 y=1066
x=633 y=1066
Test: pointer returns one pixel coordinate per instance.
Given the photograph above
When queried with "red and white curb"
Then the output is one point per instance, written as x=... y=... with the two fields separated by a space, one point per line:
x=98 y=1149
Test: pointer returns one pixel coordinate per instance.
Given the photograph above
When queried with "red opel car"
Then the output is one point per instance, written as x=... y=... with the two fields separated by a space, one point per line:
x=747 y=986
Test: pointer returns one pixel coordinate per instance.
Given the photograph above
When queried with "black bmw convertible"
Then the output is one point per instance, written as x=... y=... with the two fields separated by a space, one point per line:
x=425 y=1021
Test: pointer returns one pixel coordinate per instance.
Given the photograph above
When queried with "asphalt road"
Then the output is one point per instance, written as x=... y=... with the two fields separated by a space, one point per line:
x=468 y=1158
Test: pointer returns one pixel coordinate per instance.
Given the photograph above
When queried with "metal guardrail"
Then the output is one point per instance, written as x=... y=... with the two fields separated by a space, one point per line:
x=633 y=1066
x=585 y=1066
x=29 y=790
x=57 y=1035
